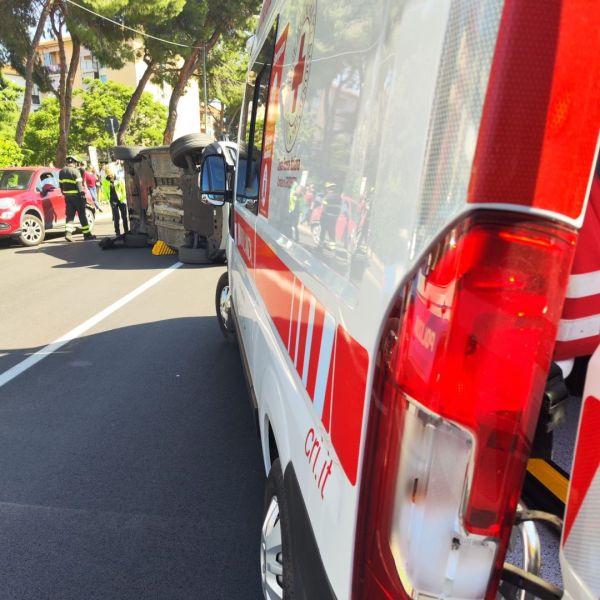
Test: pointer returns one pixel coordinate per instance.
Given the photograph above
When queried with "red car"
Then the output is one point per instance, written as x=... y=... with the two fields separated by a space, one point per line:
x=31 y=203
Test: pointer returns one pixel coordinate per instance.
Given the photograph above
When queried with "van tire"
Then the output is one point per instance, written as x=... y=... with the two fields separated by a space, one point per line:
x=192 y=144
x=193 y=256
x=227 y=326
x=126 y=152
x=274 y=490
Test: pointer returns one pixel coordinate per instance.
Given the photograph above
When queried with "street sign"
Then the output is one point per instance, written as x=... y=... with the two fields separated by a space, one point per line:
x=112 y=125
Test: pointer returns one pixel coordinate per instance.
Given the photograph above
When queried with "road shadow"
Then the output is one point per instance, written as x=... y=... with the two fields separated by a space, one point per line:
x=90 y=255
x=131 y=468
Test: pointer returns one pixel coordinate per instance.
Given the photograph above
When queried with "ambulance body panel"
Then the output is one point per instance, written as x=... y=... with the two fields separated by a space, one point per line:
x=580 y=544
x=373 y=113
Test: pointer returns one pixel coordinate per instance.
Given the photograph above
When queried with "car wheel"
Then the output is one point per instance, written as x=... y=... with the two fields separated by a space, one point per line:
x=32 y=231
x=223 y=308
x=275 y=557
x=91 y=217
x=192 y=144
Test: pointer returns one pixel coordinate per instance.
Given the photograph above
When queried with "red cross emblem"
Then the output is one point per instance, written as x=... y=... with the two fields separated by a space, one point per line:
x=298 y=73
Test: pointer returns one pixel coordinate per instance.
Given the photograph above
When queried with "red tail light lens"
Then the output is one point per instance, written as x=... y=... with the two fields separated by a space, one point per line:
x=459 y=379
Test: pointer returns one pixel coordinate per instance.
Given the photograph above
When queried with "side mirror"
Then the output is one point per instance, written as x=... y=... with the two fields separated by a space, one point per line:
x=213 y=180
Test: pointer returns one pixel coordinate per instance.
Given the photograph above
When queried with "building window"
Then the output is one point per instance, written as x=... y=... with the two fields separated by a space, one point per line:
x=35 y=95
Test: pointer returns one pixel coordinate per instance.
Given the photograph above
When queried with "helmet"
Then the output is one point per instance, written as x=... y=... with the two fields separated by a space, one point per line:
x=71 y=159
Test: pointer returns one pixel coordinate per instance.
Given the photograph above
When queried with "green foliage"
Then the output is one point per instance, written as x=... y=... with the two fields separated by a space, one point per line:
x=9 y=107
x=97 y=103
x=18 y=20
x=103 y=100
x=41 y=134
x=10 y=154
x=227 y=67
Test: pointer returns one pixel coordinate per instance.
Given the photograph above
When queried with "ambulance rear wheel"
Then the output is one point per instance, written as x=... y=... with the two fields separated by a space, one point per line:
x=275 y=558
x=223 y=308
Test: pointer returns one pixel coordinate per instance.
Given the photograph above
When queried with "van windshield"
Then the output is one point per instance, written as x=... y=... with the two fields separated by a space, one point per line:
x=14 y=180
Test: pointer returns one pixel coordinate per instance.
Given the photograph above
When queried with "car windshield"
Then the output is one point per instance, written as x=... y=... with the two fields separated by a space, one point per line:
x=14 y=180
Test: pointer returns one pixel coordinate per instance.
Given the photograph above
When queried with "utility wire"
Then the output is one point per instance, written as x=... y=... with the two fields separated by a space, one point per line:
x=142 y=33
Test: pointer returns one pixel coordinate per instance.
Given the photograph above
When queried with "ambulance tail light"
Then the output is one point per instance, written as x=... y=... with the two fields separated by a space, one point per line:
x=459 y=379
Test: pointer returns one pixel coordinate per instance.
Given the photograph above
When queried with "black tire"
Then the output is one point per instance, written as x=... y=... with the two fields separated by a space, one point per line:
x=190 y=145
x=193 y=256
x=274 y=489
x=33 y=231
x=219 y=257
x=136 y=240
x=91 y=217
x=126 y=152
x=226 y=324
x=214 y=253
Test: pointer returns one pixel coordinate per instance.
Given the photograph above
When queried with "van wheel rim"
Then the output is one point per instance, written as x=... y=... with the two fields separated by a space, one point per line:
x=31 y=230
x=271 y=553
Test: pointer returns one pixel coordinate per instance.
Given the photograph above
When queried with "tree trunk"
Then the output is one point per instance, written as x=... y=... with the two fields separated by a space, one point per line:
x=65 y=92
x=73 y=66
x=135 y=98
x=61 y=147
x=31 y=58
x=185 y=73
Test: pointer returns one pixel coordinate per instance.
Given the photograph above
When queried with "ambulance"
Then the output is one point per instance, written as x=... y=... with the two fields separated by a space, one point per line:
x=406 y=194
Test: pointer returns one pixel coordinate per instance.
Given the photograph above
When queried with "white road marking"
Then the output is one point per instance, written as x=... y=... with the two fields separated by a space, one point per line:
x=81 y=329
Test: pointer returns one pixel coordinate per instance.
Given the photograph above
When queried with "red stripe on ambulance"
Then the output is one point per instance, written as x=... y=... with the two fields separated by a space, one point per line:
x=330 y=363
x=585 y=463
x=536 y=141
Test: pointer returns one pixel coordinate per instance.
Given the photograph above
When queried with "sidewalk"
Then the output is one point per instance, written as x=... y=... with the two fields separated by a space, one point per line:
x=106 y=214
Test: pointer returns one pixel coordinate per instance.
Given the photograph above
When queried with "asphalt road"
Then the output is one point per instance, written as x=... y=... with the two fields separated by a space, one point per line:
x=129 y=462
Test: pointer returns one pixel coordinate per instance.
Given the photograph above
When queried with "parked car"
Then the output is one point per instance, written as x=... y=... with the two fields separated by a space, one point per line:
x=31 y=203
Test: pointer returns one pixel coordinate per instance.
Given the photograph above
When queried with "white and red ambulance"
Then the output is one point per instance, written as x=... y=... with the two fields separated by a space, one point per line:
x=410 y=180
x=580 y=544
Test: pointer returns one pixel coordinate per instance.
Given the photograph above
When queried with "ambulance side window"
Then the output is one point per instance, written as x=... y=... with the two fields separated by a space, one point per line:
x=253 y=121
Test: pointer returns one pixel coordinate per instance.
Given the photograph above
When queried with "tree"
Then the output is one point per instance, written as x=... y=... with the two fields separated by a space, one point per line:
x=200 y=25
x=155 y=18
x=102 y=100
x=64 y=93
x=41 y=133
x=10 y=154
x=17 y=49
x=227 y=68
x=32 y=58
x=98 y=102
x=9 y=107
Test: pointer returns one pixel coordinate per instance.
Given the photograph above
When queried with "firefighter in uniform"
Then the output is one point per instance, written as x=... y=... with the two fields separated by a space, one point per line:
x=71 y=185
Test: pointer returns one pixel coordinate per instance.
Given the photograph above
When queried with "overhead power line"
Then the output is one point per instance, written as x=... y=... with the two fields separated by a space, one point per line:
x=142 y=33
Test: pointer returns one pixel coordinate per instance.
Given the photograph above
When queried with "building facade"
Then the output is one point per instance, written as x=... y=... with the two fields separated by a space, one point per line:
x=188 y=109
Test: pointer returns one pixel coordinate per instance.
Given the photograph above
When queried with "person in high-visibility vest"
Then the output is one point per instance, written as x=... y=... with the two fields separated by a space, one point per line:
x=113 y=189
x=71 y=185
